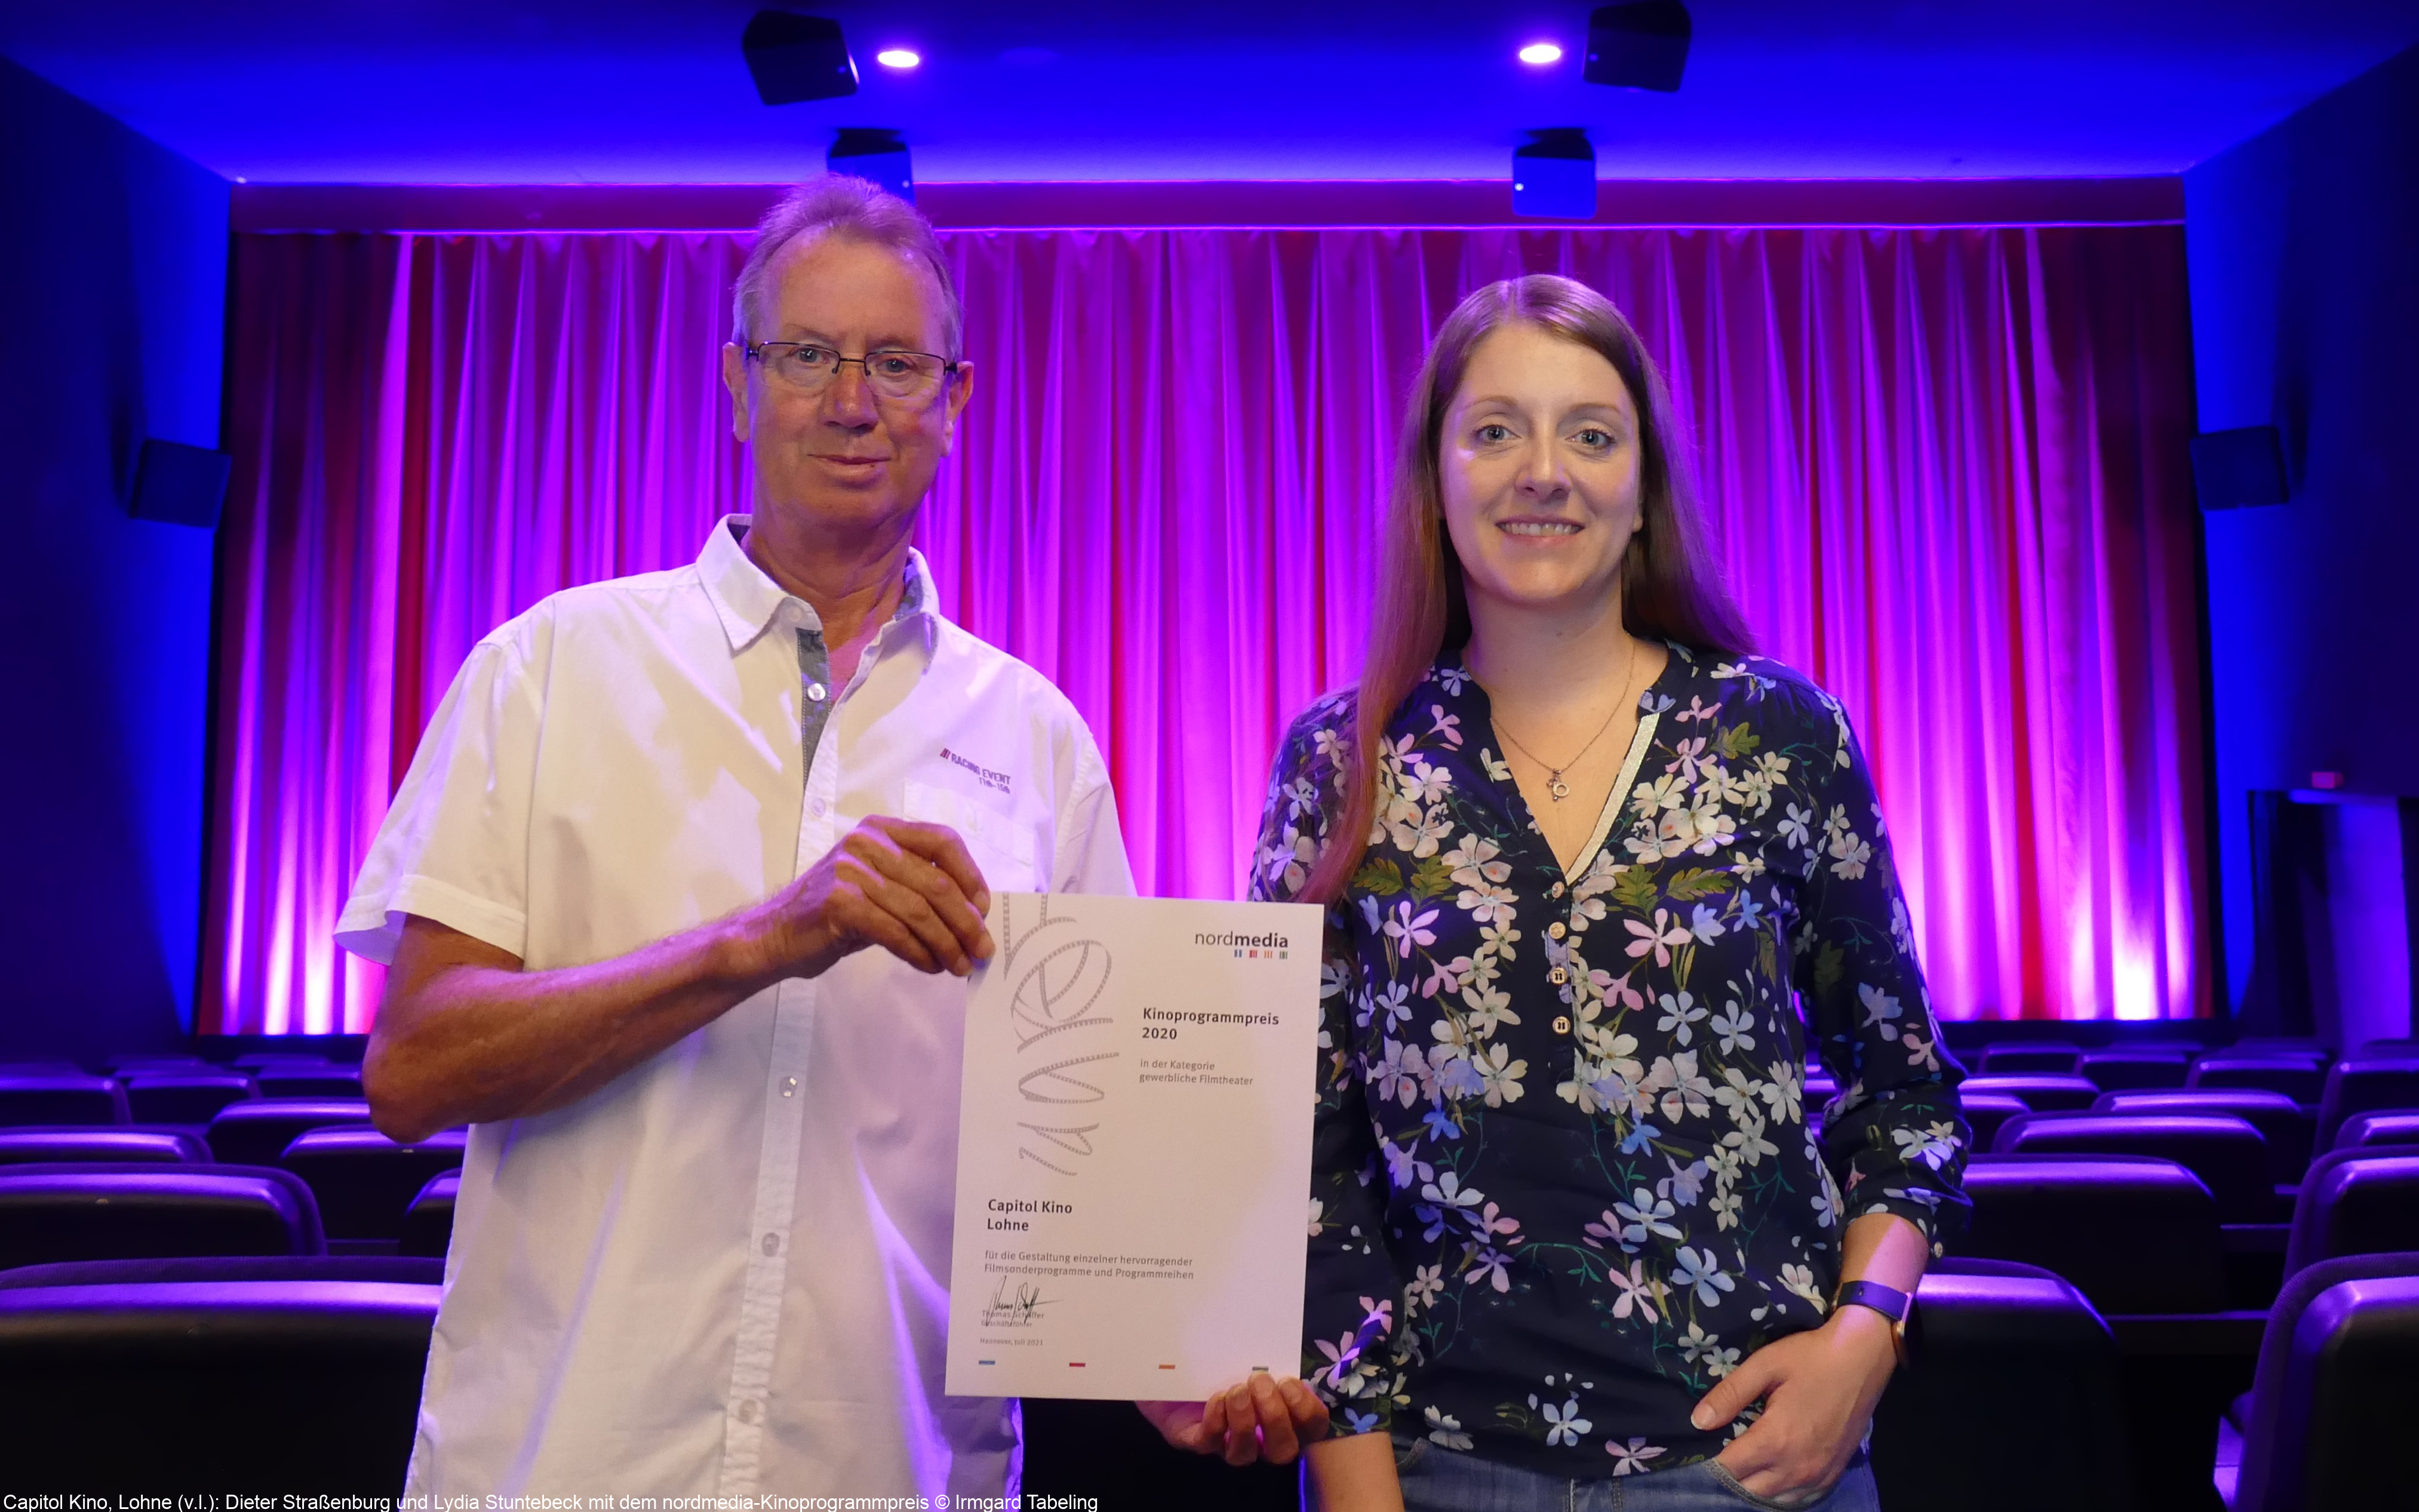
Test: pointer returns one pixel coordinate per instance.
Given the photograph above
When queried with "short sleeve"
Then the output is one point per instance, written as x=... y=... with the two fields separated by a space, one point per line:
x=1091 y=848
x=455 y=844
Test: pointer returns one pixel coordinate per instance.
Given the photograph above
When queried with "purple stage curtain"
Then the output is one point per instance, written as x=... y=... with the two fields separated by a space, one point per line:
x=1945 y=469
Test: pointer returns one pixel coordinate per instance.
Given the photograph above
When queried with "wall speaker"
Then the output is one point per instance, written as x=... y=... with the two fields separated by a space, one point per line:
x=877 y=156
x=181 y=484
x=1641 y=46
x=2239 y=468
x=1554 y=176
x=796 y=57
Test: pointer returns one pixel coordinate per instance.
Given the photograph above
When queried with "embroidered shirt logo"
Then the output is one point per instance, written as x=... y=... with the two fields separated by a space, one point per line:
x=996 y=782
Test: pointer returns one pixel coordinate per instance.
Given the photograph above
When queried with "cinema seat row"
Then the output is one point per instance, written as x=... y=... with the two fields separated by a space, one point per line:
x=70 y=1193
x=168 y=1094
x=2163 y=1296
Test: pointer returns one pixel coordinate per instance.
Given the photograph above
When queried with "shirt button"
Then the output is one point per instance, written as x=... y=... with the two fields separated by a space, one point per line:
x=790 y=1087
x=1561 y=1025
x=817 y=808
x=1555 y=931
x=749 y=1411
x=1557 y=976
x=1554 y=891
x=772 y=1244
x=817 y=692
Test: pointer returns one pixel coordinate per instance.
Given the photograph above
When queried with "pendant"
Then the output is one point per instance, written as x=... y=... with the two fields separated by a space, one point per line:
x=1559 y=788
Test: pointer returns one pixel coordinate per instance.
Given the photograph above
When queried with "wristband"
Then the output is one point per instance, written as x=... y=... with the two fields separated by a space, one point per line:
x=1889 y=1302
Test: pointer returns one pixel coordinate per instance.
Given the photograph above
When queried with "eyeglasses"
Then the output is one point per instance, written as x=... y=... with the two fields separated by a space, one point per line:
x=893 y=374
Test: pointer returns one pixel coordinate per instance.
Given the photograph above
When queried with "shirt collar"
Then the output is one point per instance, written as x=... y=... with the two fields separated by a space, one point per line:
x=747 y=601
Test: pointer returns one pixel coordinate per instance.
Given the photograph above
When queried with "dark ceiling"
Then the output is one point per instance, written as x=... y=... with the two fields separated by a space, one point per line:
x=558 y=91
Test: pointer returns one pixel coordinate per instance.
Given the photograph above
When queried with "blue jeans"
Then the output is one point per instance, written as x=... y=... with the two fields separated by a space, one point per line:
x=1436 y=1479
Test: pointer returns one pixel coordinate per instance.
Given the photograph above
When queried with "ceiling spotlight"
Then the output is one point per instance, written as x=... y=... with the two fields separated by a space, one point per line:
x=898 y=58
x=1537 y=54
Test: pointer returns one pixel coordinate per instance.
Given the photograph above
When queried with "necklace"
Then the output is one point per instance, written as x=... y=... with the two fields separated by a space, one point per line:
x=1554 y=783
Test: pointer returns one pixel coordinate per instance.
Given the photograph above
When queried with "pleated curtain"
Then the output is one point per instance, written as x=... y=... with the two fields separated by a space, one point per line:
x=1945 y=469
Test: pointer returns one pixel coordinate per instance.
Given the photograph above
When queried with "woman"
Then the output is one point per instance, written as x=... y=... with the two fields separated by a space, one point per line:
x=1570 y=1225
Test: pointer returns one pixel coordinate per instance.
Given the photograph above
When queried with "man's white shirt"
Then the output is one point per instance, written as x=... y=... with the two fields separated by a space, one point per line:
x=728 y=1271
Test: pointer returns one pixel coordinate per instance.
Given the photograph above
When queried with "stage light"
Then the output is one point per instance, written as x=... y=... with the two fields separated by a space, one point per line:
x=878 y=156
x=796 y=57
x=1641 y=46
x=1554 y=176
x=1537 y=54
x=898 y=58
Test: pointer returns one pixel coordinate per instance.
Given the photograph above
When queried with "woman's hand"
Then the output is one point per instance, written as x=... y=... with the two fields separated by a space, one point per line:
x=1261 y=1418
x=1818 y=1388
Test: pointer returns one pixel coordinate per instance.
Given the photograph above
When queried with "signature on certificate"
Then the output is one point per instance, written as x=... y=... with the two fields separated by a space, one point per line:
x=1021 y=1308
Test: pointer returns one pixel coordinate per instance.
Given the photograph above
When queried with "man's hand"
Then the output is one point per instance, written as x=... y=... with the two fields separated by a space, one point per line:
x=908 y=887
x=1261 y=1418
x=1818 y=1388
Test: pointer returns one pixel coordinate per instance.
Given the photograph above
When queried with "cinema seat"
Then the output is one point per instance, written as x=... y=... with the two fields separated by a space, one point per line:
x=2337 y=1387
x=2052 y=1058
x=2404 y=1049
x=213 y=1383
x=2355 y=1202
x=365 y=1181
x=2299 y=1079
x=2010 y=1400
x=2387 y=1126
x=428 y=1223
x=121 y=1145
x=2365 y=1086
x=60 y=1098
x=103 y=1210
x=182 y=1096
x=2130 y=1070
x=2225 y=1152
x=227 y=1268
x=309 y=1081
x=1986 y=1112
x=2295 y=1046
x=260 y=1058
x=2133 y=1235
x=2284 y=1126
x=2040 y=1092
x=121 y=1066
x=257 y=1133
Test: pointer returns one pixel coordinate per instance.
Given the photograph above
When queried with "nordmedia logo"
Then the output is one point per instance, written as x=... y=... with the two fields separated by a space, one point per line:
x=1269 y=947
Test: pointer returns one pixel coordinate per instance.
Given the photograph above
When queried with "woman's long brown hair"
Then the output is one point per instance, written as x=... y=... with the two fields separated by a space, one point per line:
x=1671 y=588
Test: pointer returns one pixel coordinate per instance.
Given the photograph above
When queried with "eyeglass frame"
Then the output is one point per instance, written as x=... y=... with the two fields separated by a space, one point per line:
x=950 y=366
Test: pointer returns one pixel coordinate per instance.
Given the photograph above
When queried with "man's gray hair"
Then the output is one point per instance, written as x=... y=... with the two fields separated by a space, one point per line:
x=841 y=205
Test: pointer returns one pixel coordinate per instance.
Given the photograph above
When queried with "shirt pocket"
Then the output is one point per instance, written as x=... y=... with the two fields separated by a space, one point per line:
x=1003 y=848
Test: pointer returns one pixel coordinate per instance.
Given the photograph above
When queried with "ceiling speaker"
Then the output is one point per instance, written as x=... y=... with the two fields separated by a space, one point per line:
x=876 y=156
x=1554 y=176
x=1641 y=46
x=179 y=484
x=796 y=57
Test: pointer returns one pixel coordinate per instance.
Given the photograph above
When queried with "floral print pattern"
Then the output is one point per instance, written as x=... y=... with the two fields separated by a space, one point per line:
x=1565 y=1174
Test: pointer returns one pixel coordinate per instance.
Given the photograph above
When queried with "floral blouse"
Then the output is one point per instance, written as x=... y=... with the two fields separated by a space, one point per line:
x=1564 y=1177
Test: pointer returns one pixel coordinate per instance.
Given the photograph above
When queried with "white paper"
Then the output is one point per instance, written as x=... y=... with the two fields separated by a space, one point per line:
x=1133 y=1147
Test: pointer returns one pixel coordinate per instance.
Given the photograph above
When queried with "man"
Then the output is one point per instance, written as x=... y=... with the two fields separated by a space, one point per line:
x=675 y=893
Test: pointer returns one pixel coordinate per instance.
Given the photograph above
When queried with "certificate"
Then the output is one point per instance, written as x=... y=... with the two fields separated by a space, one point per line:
x=1133 y=1147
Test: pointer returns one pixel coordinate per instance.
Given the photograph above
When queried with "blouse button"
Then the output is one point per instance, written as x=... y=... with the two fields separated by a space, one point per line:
x=1557 y=976
x=1554 y=891
x=1561 y=1023
x=1555 y=931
